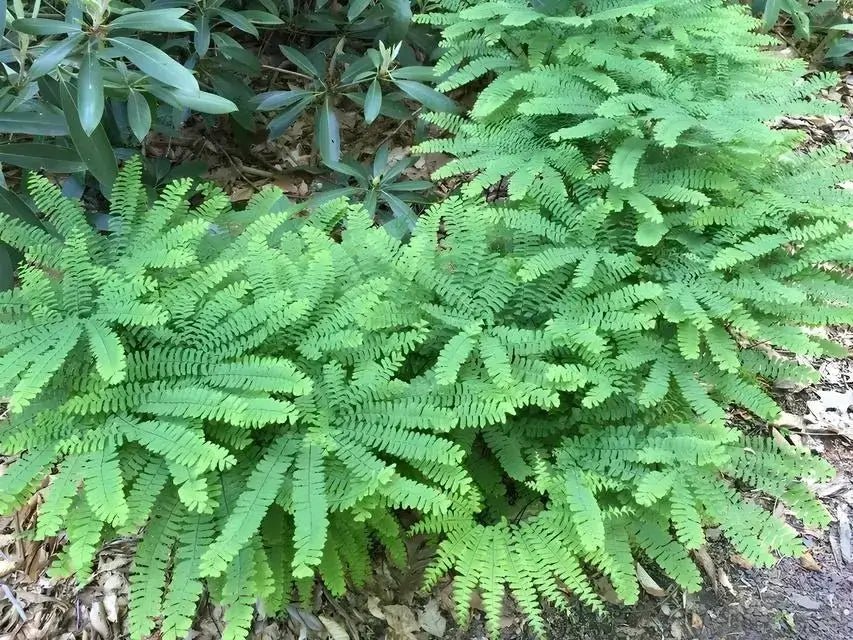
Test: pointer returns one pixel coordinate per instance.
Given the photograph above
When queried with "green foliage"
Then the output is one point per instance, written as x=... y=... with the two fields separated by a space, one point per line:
x=132 y=67
x=84 y=83
x=543 y=380
x=380 y=188
x=374 y=83
x=249 y=365
x=662 y=237
x=822 y=26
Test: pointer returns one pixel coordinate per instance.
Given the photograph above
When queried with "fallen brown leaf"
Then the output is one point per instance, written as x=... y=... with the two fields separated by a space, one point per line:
x=431 y=620
x=676 y=630
x=808 y=562
x=334 y=629
x=836 y=550
x=7 y=566
x=836 y=485
x=374 y=608
x=740 y=561
x=111 y=606
x=401 y=622
x=98 y=620
x=648 y=583
x=806 y=602
x=704 y=558
x=606 y=591
x=831 y=411
x=723 y=578
x=476 y=601
x=6 y=592
x=696 y=621
x=779 y=439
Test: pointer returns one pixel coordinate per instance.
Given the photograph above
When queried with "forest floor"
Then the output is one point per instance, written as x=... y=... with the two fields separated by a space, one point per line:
x=810 y=598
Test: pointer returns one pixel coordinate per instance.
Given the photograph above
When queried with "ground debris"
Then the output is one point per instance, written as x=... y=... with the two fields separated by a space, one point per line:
x=844 y=534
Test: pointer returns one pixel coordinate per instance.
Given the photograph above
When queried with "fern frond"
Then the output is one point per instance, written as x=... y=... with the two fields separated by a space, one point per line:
x=309 y=510
x=244 y=520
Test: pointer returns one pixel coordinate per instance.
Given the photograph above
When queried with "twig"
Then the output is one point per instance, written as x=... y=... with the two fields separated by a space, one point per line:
x=16 y=605
x=232 y=162
x=296 y=74
x=253 y=171
x=400 y=126
x=19 y=543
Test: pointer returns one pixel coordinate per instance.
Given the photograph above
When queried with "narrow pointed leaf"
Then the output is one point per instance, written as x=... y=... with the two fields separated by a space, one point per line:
x=34 y=123
x=41 y=157
x=158 y=20
x=44 y=27
x=54 y=56
x=421 y=74
x=152 y=61
x=372 y=101
x=277 y=99
x=282 y=122
x=297 y=58
x=356 y=8
x=328 y=132
x=95 y=150
x=138 y=115
x=237 y=20
x=201 y=38
x=7 y=268
x=261 y=17
x=90 y=92
x=205 y=102
x=428 y=97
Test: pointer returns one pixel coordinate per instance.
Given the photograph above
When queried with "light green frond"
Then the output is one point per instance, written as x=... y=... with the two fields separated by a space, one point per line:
x=310 y=510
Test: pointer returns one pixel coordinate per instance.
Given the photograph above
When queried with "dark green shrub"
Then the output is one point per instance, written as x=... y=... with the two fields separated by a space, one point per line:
x=544 y=379
x=84 y=86
x=822 y=29
x=132 y=67
x=379 y=186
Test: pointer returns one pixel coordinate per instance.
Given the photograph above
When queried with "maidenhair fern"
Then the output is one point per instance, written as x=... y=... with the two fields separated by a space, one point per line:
x=544 y=380
x=201 y=371
x=668 y=246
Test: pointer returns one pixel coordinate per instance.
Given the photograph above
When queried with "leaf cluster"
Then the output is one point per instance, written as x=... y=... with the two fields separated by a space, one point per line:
x=133 y=68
